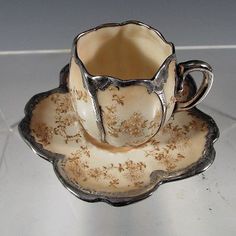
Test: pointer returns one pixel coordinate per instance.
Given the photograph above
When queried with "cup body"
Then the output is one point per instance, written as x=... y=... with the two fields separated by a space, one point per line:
x=122 y=82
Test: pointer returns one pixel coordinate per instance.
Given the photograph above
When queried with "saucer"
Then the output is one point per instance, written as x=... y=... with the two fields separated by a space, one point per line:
x=94 y=172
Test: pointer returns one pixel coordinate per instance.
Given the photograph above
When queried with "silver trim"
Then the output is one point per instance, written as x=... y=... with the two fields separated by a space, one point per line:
x=185 y=68
x=157 y=177
x=94 y=83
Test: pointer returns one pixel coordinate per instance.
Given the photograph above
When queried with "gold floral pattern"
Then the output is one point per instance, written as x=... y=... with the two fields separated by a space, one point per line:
x=111 y=109
x=165 y=157
x=63 y=103
x=113 y=183
x=197 y=125
x=118 y=99
x=111 y=119
x=65 y=118
x=178 y=139
x=75 y=167
x=78 y=168
x=79 y=94
x=134 y=170
x=63 y=124
x=43 y=133
x=134 y=125
x=169 y=150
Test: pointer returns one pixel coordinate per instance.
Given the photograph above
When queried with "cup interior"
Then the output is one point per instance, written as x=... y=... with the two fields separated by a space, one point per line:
x=127 y=52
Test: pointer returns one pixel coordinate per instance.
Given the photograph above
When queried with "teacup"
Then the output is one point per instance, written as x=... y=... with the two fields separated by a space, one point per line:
x=124 y=82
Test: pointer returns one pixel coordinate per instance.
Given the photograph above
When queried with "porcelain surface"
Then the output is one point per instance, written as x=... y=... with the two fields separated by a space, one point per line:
x=95 y=172
x=124 y=82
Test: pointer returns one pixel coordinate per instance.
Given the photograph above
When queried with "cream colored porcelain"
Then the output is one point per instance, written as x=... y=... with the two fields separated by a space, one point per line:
x=123 y=82
x=96 y=171
x=93 y=167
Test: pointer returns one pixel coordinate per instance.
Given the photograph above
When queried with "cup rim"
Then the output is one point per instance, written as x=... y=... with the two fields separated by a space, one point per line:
x=113 y=24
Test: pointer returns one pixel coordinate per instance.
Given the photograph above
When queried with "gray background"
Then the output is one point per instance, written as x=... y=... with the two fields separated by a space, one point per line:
x=53 y=24
x=32 y=200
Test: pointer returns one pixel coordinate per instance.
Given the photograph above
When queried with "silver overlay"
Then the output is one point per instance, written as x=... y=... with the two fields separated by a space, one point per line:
x=158 y=177
x=153 y=85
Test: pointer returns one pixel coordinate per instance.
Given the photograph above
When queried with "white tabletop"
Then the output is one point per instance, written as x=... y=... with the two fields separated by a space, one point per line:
x=33 y=201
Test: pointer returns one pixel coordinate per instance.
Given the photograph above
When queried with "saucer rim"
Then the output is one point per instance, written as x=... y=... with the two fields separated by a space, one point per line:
x=198 y=167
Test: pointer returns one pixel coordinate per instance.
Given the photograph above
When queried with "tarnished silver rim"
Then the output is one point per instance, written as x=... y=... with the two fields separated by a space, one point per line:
x=201 y=165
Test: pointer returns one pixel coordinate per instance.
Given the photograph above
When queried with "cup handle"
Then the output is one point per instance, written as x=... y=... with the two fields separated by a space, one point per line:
x=183 y=69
